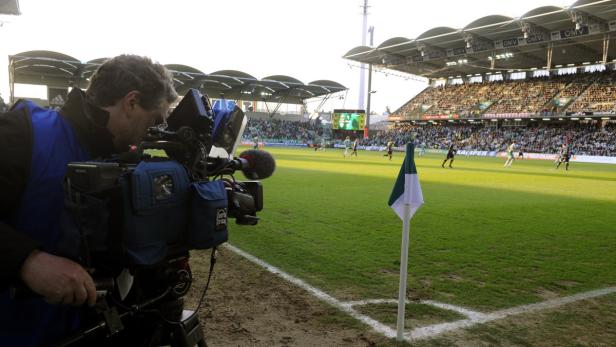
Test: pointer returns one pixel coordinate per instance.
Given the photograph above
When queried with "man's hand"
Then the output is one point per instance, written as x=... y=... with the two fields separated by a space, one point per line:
x=58 y=280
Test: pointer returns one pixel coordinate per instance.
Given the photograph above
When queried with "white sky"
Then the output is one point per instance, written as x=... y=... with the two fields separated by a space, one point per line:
x=302 y=39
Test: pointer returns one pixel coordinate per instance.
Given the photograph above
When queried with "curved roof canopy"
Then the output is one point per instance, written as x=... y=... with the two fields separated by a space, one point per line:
x=185 y=77
x=286 y=81
x=438 y=31
x=89 y=69
x=495 y=27
x=487 y=21
x=235 y=74
x=62 y=71
x=324 y=86
x=542 y=12
x=10 y=7
x=439 y=36
x=44 y=67
x=548 y=17
x=498 y=43
x=330 y=86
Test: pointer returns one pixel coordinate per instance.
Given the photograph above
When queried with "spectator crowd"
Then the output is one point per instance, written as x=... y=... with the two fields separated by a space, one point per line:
x=573 y=93
x=536 y=137
x=276 y=130
x=585 y=138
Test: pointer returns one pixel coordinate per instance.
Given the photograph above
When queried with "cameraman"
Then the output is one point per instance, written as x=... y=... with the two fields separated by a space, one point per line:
x=126 y=95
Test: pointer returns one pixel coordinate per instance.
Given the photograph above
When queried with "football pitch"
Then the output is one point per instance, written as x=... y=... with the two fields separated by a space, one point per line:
x=487 y=238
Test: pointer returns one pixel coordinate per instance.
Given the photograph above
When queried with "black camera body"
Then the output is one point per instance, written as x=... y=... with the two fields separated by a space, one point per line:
x=141 y=213
x=141 y=209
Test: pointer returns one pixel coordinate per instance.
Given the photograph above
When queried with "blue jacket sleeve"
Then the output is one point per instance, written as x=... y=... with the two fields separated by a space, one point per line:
x=15 y=157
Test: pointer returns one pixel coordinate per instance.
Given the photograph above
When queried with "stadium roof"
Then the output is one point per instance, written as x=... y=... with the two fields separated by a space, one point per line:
x=10 y=7
x=62 y=71
x=576 y=35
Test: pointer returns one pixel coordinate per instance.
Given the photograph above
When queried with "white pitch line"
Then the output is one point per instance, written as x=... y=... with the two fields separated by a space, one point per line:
x=372 y=302
x=552 y=303
x=427 y=331
x=374 y=324
x=461 y=310
x=437 y=329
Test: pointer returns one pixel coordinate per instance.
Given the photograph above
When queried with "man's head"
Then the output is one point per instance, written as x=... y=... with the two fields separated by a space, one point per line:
x=137 y=94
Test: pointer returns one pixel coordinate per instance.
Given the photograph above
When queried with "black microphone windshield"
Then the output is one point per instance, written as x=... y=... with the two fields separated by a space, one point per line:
x=260 y=164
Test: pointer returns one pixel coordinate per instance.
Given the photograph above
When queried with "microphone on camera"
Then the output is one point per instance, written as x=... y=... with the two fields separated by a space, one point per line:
x=255 y=164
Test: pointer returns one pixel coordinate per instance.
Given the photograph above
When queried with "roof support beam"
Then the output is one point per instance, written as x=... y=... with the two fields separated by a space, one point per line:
x=279 y=103
x=11 y=81
x=606 y=47
x=549 y=57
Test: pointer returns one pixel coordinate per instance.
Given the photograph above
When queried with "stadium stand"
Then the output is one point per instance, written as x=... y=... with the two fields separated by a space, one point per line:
x=544 y=78
x=280 y=131
x=599 y=97
x=592 y=92
x=537 y=137
x=528 y=96
x=551 y=63
x=571 y=92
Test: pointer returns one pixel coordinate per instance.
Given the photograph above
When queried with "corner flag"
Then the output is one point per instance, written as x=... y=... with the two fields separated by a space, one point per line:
x=407 y=189
x=405 y=199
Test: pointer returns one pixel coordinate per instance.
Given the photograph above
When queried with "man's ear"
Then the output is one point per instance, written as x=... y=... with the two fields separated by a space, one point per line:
x=131 y=100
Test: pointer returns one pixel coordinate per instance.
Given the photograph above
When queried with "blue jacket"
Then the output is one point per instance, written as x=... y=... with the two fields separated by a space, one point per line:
x=56 y=138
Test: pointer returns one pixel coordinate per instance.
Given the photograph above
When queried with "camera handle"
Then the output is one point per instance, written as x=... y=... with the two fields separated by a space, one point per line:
x=112 y=321
x=187 y=332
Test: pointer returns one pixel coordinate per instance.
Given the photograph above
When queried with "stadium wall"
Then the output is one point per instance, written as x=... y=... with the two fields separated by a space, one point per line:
x=594 y=159
x=536 y=156
x=469 y=153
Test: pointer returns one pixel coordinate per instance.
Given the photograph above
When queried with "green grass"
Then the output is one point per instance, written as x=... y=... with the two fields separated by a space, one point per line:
x=584 y=323
x=486 y=238
x=415 y=314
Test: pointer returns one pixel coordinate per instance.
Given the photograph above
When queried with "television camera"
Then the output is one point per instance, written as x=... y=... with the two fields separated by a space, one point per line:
x=134 y=219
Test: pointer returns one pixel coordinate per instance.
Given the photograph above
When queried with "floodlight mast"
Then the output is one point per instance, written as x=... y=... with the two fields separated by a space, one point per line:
x=362 y=72
x=370 y=91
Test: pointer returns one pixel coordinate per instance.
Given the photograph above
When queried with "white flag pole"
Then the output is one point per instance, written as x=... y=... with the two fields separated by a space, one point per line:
x=404 y=256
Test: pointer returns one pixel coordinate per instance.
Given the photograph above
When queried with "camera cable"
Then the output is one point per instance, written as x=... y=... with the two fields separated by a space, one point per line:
x=201 y=299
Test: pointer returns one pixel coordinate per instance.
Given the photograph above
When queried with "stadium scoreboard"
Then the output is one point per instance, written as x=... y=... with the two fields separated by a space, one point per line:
x=348 y=119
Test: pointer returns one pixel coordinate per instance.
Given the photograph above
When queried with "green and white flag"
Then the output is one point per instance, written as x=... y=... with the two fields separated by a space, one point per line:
x=407 y=189
x=405 y=199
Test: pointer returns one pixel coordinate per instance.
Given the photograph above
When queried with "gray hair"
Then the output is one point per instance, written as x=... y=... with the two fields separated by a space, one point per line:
x=124 y=73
